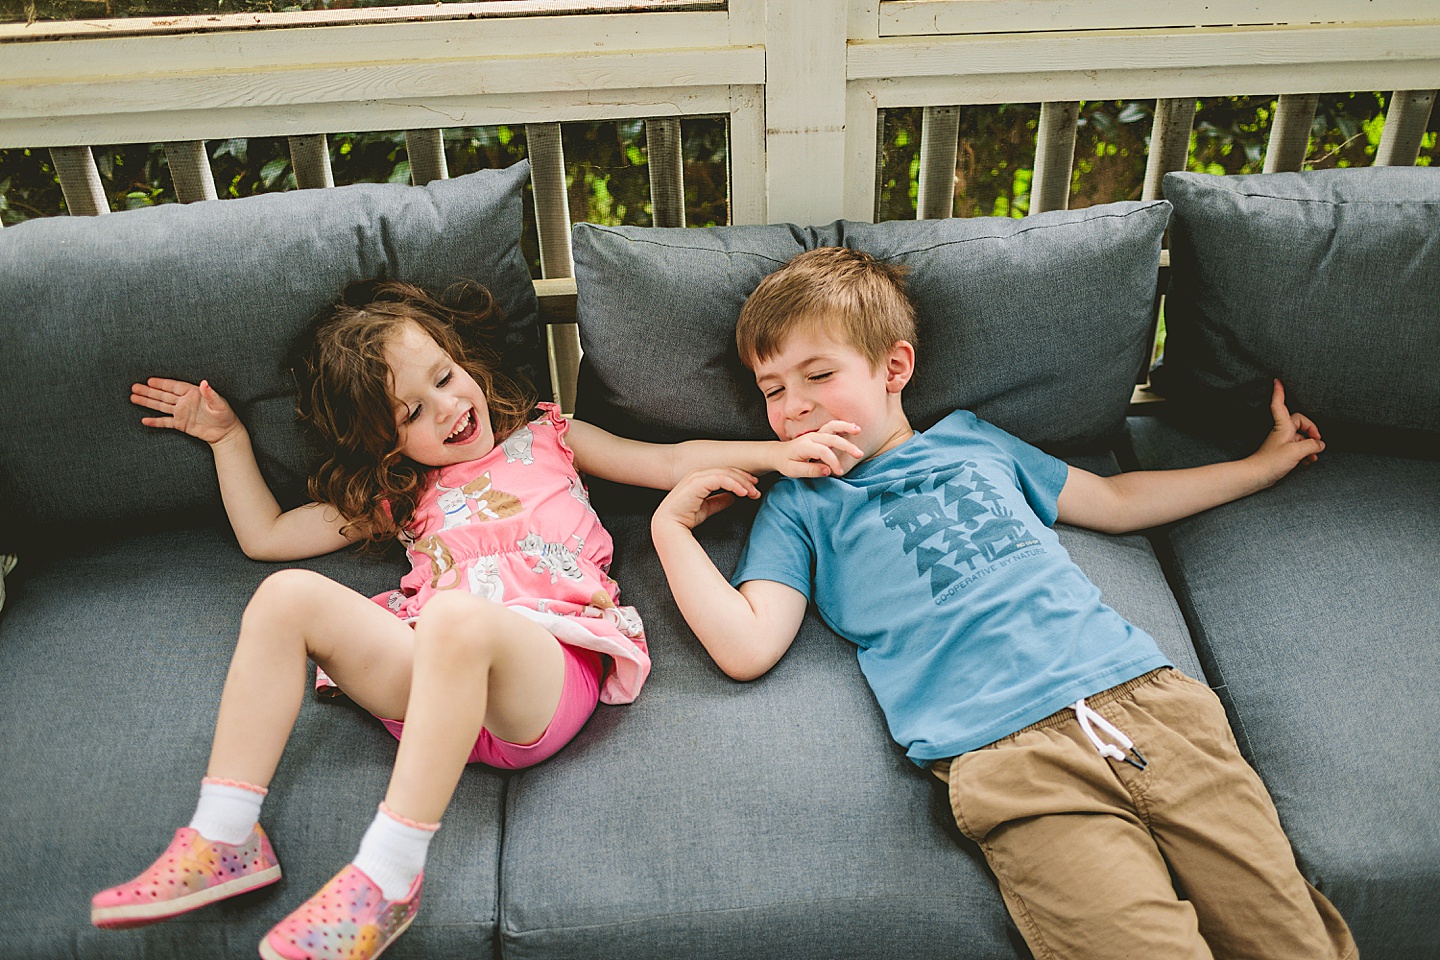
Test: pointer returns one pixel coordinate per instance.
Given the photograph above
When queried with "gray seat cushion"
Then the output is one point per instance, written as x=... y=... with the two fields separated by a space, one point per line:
x=1315 y=611
x=769 y=819
x=112 y=659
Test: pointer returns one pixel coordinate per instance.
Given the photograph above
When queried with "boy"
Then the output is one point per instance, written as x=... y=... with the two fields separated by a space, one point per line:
x=1097 y=779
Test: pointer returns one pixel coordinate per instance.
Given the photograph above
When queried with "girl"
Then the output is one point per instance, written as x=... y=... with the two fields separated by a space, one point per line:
x=495 y=647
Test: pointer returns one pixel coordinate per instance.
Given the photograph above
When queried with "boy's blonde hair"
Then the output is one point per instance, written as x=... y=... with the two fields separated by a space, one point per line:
x=847 y=293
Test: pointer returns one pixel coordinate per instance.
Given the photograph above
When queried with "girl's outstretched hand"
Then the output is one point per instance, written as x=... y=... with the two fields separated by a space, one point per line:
x=825 y=452
x=704 y=493
x=196 y=410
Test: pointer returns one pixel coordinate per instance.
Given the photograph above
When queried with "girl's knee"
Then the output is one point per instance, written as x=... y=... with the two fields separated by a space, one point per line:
x=284 y=593
x=457 y=623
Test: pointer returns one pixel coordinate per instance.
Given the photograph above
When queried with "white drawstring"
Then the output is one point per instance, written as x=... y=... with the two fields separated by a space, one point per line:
x=1086 y=715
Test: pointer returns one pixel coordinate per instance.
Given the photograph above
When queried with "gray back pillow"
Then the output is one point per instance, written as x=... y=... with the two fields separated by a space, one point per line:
x=215 y=290
x=1039 y=325
x=1329 y=280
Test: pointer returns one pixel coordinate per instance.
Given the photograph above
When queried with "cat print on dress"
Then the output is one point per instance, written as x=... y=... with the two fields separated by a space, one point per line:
x=442 y=562
x=626 y=619
x=476 y=500
x=518 y=447
x=485 y=579
x=555 y=559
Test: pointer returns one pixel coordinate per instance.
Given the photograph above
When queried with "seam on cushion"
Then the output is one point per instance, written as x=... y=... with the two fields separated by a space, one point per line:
x=686 y=246
x=889 y=898
x=1330 y=203
x=1022 y=230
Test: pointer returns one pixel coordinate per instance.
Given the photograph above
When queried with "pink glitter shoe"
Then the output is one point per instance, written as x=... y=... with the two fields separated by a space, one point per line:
x=349 y=919
x=191 y=873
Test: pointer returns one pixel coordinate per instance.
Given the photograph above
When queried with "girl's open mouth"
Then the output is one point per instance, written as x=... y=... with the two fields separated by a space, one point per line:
x=465 y=430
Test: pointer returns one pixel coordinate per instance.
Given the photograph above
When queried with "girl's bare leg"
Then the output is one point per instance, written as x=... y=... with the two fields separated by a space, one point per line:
x=297 y=614
x=475 y=664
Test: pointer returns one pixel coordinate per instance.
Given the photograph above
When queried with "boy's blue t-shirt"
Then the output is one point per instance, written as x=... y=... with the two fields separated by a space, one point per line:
x=937 y=559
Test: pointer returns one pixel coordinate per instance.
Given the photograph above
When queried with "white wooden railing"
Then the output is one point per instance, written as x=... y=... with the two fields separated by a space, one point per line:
x=803 y=84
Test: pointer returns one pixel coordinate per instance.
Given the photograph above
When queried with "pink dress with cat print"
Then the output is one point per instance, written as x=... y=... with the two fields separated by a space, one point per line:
x=516 y=527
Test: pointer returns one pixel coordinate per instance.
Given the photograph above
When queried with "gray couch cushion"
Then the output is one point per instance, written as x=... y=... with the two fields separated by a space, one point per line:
x=1326 y=279
x=1315 y=612
x=769 y=819
x=1038 y=325
x=111 y=665
x=214 y=290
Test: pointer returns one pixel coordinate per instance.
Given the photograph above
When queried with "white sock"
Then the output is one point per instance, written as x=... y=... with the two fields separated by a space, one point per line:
x=393 y=853
x=227 y=811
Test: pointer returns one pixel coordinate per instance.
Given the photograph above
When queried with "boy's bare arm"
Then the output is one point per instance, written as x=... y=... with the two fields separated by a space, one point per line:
x=745 y=631
x=1148 y=498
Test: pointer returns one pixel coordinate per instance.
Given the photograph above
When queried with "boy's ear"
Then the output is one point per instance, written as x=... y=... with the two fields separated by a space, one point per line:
x=899 y=366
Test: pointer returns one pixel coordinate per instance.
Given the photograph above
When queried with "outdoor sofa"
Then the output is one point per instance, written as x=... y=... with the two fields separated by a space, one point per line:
x=711 y=818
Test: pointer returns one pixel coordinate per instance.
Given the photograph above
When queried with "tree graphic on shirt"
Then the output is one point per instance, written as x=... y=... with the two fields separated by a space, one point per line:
x=950 y=522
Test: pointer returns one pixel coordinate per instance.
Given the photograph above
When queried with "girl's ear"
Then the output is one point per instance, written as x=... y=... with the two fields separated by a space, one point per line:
x=899 y=366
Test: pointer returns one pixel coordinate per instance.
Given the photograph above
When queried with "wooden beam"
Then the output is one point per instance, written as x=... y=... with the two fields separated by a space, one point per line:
x=552 y=221
x=79 y=181
x=805 y=109
x=939 y=147
x=1290 y=132
x=666 y=163
x=311 y=158
x=905 y=17
x=1169 y=143
x=190 y=170
x=426 y=151
x=1405 y=123
x=1054 y=156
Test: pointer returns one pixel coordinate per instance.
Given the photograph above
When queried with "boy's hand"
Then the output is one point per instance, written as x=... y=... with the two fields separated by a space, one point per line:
x=821 y=453
x=196 y=410
x=702 y=494
x=1293 y=440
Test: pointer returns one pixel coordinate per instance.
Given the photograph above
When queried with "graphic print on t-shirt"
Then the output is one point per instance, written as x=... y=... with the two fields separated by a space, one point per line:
x=950 y=520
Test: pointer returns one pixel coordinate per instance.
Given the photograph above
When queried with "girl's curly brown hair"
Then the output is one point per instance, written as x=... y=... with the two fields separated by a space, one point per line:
x=346 y=394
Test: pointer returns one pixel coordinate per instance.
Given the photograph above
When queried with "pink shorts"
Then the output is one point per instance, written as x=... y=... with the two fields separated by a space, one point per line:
x=577 y=702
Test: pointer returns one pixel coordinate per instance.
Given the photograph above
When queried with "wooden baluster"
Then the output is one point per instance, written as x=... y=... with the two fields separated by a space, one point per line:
x=190 y=170
x=1169 y=143
x=311 y=158
x=426 y=150
x=666 y=161
x=1290 y=132
x=1405 y=122
x=939 y=145
x=552 y=222
x=1054 y=156
x=80 y=181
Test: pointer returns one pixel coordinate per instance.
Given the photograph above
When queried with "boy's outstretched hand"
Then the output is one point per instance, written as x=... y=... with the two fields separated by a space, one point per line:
x=1293 y=440
x=702 y=494
x=196 y=410
x=821 y=453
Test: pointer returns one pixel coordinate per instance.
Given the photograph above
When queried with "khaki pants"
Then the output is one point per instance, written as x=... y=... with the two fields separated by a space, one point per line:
x=1184 y=859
